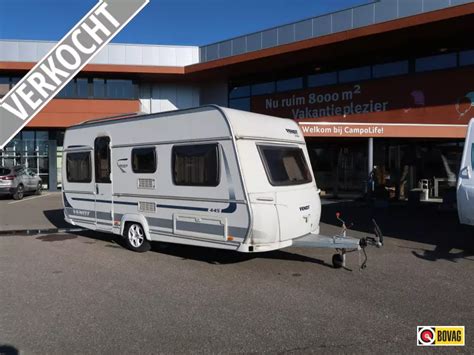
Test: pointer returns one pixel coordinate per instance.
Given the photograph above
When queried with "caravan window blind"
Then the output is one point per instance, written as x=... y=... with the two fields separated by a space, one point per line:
x=78 y=167
x=196 y=165
x=285 y=165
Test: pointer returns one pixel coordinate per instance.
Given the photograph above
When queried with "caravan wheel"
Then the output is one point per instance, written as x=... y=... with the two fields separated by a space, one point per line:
x=135 y=238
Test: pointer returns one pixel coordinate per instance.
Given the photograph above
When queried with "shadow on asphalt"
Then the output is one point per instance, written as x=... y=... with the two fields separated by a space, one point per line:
x=424 y=223
x=8 y=350
x=223 y=257
x=56 y=218
x=186 y=252
x=56 y=238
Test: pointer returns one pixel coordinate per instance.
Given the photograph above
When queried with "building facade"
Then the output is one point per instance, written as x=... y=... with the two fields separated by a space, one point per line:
x=387 y=85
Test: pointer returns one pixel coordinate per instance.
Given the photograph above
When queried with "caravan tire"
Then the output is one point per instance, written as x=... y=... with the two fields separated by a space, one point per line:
x=135 y=238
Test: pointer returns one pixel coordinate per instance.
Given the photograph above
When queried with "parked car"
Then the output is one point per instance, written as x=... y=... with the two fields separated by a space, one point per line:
x=19 y=180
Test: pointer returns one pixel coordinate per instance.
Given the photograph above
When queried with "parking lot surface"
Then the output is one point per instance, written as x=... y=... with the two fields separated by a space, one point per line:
x=39 y=212
x=84 y=293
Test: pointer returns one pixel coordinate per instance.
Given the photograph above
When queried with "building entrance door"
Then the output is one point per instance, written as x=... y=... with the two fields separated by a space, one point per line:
x=340 y=165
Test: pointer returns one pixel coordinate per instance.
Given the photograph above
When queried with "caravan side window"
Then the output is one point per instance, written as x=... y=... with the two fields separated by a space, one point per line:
x=144 y=160
x=78 y=167
x=196 y=165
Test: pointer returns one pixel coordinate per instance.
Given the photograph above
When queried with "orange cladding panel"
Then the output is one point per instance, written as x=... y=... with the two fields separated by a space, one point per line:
x=60 y=113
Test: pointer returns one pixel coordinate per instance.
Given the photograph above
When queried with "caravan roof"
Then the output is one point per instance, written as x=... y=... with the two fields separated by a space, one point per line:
x=207 y=123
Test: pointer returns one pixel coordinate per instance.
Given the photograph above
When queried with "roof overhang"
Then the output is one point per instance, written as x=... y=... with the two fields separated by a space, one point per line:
x=410 y=34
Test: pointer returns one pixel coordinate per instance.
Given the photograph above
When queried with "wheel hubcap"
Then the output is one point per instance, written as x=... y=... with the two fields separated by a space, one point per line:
x=136 y=235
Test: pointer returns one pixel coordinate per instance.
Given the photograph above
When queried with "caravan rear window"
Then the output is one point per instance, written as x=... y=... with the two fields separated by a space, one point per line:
x=196 y=165
x=78 y=167
x=285 y=165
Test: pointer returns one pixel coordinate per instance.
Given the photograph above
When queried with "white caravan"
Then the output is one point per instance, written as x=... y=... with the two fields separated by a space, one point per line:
x=465 y=185
x=209 y=176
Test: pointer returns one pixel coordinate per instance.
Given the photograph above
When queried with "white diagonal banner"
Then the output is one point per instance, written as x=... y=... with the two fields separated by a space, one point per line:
x=77 y=48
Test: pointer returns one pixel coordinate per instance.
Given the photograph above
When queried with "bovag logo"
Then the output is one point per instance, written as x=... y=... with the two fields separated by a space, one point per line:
x=440 y=335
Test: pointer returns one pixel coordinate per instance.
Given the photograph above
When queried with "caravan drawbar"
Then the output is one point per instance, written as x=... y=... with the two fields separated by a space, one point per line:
x=209 y=176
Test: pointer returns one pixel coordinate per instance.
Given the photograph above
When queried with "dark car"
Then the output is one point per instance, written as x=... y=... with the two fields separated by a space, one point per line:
x=19 y=180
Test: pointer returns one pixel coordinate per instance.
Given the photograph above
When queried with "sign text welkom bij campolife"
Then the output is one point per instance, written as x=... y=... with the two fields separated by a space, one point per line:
x=63 y=62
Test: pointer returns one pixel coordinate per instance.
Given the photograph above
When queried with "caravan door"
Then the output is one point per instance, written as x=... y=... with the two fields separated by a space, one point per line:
x=465 y=188
x=103 y=183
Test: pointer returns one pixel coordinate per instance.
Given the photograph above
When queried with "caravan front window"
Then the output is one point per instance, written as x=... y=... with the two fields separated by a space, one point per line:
x=285 y=165
x=196 y=165
x=78 y=167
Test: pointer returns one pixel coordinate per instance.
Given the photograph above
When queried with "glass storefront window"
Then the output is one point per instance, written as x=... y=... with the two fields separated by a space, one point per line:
x=82 y=88
x=390 y=69
x=101 y=89
x=240 y=104
x=263 y=88
x=28 y=138
x=4 y=85
x=466 y=58
x=436 y=62
x=119 y=89
x=15 y=80
x=322 y=79
x=32 y=149
x=239 y=91
x=42 y=135
x=98 y=88
x=354 y=74
x=289 y=84
x=67 y=91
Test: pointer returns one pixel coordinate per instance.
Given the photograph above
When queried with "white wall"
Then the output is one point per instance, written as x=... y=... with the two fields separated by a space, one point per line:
x=168 y=96
x=172 y=96
x=113 y=53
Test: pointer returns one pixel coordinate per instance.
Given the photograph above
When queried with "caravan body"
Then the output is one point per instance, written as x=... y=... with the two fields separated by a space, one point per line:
x=465 y=185
x=209 y=176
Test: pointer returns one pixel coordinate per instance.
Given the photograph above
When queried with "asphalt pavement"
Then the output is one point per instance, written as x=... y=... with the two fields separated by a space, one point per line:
x=33 y=212
x=70 y=293
x=85 y=293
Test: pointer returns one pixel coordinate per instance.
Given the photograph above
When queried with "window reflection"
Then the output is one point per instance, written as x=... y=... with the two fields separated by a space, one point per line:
x=4 y=85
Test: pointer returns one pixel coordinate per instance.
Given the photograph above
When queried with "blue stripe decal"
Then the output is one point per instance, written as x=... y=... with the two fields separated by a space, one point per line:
x=231 y=208
x=83 y=199
x=105 y=201
x=232 y=205
x=66 y=201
